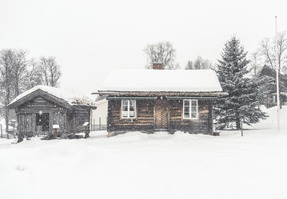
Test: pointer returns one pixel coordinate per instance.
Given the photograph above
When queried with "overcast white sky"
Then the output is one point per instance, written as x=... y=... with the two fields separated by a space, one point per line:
x=89 y=38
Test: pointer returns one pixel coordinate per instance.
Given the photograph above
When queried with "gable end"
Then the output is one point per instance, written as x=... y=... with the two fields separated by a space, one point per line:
x=43 y=94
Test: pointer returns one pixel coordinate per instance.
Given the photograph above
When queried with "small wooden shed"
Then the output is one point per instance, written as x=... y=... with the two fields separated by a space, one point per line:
x=41 y=107
x=156 y=100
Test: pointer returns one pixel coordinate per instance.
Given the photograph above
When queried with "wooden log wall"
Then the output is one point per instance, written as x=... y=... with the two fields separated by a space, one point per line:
x=26 y=115
x=203 y=124
x=80 y=115
x=143 y=122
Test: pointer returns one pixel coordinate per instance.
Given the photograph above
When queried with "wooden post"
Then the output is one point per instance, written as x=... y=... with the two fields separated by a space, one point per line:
x=100 y=125
x=86 y=132
x=86 y=125
x=55 y=127
x=55 y=133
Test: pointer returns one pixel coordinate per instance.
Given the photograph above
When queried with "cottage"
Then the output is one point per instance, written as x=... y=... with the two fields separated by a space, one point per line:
x=157 y=100
x=42 y=107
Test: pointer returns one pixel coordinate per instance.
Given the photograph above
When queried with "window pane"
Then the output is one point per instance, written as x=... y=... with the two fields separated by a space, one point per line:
x=125 y=102
x=132 y=102
x=124 y=105
x=193 y=102
x=124 y=114
x=125 y=108
x=194 y=109
x=186 y=109
x=193 y=115
x=186 y=115
x=132 y=114
x=132 y=107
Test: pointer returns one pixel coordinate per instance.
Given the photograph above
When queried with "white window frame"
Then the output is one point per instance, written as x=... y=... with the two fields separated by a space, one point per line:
x=128 y=111
x=190 y=109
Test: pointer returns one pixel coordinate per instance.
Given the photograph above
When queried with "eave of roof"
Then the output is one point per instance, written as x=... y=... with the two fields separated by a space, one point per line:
x=160 y=93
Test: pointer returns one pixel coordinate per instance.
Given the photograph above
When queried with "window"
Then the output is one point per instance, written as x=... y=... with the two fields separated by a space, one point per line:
x=128 y=108
x=190 y=109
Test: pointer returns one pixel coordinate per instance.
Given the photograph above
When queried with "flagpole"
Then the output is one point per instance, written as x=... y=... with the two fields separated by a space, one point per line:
x=277 y=76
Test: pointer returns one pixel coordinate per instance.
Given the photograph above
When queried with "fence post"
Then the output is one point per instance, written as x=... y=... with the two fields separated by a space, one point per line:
x=100 y=124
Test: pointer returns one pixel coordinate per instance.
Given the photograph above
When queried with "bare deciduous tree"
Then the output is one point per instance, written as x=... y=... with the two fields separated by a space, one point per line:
x=256 y=63
x=268 y=51
x=20 y=63
x=161 y=52
x=33 y=75
x=50 y=70
x=6 y=79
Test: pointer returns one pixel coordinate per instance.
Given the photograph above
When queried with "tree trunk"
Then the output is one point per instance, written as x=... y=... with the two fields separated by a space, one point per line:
x=17 y=92
x=237 y=123
x=7 y=119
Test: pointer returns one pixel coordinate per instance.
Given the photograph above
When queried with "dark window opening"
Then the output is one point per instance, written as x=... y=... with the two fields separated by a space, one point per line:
x=43 y=120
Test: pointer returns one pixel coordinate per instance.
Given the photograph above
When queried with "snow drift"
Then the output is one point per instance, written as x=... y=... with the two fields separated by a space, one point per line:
x=160 y=165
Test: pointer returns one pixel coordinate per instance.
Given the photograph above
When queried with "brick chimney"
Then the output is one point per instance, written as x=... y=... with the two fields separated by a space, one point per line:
x=157 y=66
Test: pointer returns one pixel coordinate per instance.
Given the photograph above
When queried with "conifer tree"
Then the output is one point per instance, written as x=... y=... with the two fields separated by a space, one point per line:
x=242 y=103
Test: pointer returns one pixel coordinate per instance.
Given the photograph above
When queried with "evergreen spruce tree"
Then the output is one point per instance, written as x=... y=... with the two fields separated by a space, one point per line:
x=242 y=103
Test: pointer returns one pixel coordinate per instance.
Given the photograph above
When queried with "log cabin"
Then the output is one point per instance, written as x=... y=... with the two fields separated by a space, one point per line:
x=161 y=100
x=42 y=107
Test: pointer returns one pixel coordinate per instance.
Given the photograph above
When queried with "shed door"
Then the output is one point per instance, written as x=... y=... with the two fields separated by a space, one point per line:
x=161 y=114
x=25 y=123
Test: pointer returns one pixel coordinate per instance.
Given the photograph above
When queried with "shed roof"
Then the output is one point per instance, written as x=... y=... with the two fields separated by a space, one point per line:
x=161 y=81
x=62 y=96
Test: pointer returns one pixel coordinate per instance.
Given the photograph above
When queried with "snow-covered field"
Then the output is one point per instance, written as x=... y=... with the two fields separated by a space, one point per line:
x=160 y=165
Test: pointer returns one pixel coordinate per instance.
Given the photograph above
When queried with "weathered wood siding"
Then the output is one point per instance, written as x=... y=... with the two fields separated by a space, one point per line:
x=203 y=124
x=69 y=121
x=26 y=115
x=26 y=122
x=143 y=122
x=80 y=115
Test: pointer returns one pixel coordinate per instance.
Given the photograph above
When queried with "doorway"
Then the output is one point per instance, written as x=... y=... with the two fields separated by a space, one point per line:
x=42 y=121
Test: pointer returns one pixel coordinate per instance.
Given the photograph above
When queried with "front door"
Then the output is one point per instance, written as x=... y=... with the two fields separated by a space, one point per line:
x=161 y=114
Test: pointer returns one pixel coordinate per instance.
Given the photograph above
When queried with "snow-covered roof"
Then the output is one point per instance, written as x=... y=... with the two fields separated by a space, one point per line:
x=162 y=80
x=62 y=94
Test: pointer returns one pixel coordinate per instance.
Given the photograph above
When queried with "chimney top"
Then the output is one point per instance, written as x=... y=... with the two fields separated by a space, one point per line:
x=157 y=66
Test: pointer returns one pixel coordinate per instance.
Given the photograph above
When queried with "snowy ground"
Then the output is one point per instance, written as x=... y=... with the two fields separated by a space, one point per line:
x=160 y=165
